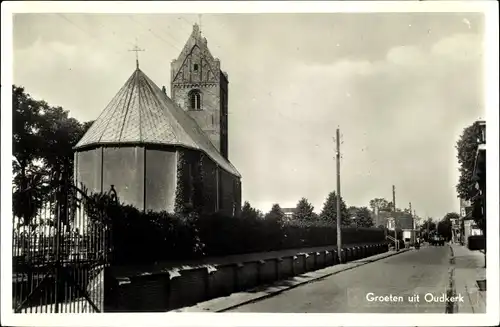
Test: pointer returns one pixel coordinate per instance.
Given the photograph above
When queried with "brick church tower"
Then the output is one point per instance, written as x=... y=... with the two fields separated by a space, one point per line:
x=200 y=88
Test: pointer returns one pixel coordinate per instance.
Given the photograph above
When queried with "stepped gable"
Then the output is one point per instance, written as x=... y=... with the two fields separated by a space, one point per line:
x=141 y=114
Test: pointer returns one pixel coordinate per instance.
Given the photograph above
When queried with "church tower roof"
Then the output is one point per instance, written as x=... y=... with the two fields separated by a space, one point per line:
x=141 y=113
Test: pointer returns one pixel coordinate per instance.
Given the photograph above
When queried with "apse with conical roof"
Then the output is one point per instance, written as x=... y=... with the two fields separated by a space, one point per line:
x=148 y=147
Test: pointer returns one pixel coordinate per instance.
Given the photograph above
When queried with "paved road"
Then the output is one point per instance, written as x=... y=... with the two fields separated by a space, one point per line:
x=400 y=276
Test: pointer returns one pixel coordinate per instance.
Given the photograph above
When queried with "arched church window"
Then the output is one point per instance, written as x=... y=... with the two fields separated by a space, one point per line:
x=195 y=67
x=195 y=100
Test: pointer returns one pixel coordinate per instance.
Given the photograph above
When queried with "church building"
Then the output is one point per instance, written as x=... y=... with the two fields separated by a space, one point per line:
x=163 y=153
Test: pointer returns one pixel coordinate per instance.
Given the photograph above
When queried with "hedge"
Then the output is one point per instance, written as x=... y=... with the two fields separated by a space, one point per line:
x=139 y=237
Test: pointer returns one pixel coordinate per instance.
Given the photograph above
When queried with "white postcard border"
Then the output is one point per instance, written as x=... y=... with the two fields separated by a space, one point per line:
x=489 y=8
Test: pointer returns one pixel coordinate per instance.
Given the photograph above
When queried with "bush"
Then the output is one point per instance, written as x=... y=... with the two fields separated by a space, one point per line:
x=139 y=237
x=476 y=242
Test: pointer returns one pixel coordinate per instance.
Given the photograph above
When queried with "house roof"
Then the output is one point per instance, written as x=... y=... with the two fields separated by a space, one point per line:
x=405 y=222
x=140 y=113
x=403 y=219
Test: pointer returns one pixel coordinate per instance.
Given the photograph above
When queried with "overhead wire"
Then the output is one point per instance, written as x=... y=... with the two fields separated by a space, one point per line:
x=69 y=21
x=153 y=33
x=173 y=46
x=170 y=44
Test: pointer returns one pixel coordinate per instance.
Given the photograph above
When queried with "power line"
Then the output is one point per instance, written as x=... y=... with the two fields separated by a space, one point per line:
x=72 y=23
x=175 y=47
x=154 y=34
x=165 y=41
x=69 y=21
x=185 y=20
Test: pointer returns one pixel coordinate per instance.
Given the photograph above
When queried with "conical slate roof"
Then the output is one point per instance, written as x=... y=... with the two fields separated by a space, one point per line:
x=141 y=113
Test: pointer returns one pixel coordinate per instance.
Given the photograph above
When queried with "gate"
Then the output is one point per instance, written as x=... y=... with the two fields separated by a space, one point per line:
x=60 y=251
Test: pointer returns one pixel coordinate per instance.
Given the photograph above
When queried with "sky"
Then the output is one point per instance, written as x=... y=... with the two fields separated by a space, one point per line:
x=400 y=86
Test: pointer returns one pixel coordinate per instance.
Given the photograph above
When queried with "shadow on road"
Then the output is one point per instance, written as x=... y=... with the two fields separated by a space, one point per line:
x=266 y=288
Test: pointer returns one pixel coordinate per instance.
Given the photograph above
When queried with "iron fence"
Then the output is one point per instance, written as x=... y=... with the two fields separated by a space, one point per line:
x=59 y=254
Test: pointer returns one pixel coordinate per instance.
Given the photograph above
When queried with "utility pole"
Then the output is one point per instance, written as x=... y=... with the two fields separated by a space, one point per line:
x=339 y=217
x=412 y=226
x=394 y=198
x=415 y=222
x=428 y=227
x=396 y=245
x=385 y=224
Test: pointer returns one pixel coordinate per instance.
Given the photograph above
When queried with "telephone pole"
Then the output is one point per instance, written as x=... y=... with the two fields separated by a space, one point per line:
x=396 y=245
x=385 y=224
x=416 y=221
x=412 y=226
x=394 y=198
x=339 y=217
x=428 y=228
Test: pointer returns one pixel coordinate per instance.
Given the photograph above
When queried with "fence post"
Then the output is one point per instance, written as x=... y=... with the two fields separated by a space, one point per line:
x=61 y=195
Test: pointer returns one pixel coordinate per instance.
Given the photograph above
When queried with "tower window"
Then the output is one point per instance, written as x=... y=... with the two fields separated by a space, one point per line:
x=195 y=67
x=195 y=100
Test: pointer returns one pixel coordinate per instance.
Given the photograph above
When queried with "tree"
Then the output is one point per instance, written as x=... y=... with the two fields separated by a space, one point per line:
x=380 y=204
x=428 y=226
x=30 y=185
x=43 y=138
x=444 y=228
x=247 y=212
x=451 y=215
x=26 y=150
x=329 y=212
x=364 y=217
x=276 y=214
x=61 y=133
x=352 y=211
x=27 y=141
x=304 y=211
x=28 y=195
x=466 y=154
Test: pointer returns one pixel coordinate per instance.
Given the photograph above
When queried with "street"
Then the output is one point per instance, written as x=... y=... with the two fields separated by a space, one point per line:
x=384 y=286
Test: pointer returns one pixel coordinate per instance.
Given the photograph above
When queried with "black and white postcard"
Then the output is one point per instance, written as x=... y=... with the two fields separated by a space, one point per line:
x=250 y=163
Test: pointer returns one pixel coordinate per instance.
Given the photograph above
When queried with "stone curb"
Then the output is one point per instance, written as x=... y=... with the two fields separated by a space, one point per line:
x=275 y=290
x=451 y=307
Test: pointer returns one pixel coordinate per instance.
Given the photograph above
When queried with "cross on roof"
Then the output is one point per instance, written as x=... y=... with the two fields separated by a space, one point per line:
x=136 y=49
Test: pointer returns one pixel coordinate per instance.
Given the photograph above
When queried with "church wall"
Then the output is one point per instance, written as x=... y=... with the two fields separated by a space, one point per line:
x=88 y=169
x=161 y=179
x=237 y=188
x=189 y=173
x=227 y=192
x=224 y=123
x=220 y=189
x=123 y=167
x=210 y=184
